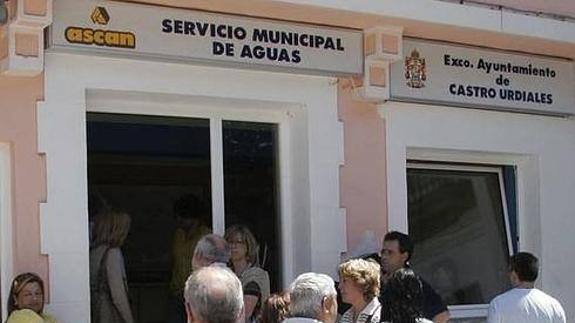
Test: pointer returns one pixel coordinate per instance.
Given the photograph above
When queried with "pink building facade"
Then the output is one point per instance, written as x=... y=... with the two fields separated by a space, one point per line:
x=363 y=142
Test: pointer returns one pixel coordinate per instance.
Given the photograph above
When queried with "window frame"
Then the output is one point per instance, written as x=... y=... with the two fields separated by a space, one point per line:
x=470 y=310
x=439 y=133
x=6 y=251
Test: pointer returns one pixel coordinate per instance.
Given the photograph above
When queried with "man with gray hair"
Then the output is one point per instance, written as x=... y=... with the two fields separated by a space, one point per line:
x=313 y=298
x=214 y=295
x=211 y=250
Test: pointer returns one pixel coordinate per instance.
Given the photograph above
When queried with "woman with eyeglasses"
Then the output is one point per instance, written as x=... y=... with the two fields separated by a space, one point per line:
x=244 y=261
x=26 y=300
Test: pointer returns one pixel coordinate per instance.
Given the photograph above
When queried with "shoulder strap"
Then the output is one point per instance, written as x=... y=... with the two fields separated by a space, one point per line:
x=376 y=314
x=369 y=318
x=98 y=288
x=102 y=284
x=99 y=284
x=101 y=266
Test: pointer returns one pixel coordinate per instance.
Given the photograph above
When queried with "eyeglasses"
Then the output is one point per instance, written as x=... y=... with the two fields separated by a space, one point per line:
x=236 y=242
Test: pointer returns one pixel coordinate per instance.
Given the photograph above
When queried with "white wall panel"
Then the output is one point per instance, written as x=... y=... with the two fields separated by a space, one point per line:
x=542 y=148
x=312 y=158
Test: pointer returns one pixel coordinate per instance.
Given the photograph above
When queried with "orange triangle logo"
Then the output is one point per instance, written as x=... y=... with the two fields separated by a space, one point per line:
x=100 y=16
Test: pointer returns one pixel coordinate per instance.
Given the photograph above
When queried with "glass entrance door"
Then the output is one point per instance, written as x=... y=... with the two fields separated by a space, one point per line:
x=172 y=173
x=251 y=189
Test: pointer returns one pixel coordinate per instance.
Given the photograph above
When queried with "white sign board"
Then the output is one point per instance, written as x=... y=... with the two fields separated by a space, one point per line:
x=464 y=76
x=177 y=34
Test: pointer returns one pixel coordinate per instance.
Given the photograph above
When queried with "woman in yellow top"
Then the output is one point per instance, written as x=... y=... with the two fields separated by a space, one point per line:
x=26 y=300
x=190 y=215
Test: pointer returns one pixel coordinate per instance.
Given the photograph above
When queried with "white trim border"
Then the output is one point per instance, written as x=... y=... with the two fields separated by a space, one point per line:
x=6 y=251
x=539 y=148
x=310 y=153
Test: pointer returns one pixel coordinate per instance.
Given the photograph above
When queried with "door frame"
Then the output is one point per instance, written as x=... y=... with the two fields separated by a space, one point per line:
x=216 y=111
x=312 y=153
x=6 y=251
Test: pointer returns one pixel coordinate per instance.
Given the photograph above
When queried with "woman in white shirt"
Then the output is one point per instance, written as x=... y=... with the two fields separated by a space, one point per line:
x=359 y=285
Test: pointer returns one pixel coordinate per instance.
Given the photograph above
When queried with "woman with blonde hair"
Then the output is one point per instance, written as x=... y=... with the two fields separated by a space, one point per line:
x=109 y=288
x=244 y=262
x=359 y=285
x=26 y=300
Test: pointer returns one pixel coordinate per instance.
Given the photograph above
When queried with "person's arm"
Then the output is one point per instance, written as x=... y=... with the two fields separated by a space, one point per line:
x=24 y=316
x=252 y=294
x=117 y=284
x=492 y=314
x=250 y=303
x=561 y=313
x=433 y=307
x=442 y=317
x=49 y=318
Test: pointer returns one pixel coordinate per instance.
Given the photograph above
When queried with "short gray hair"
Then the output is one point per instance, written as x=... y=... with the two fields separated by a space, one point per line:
x=214 y=294
x=307 y=293
x=213 y=248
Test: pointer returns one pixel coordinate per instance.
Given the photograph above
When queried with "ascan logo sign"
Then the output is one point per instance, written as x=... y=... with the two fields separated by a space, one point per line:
x=100 y=37
x=184 y=35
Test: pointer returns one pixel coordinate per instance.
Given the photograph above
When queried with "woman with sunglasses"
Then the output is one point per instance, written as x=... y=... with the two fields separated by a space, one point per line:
x=26 y=300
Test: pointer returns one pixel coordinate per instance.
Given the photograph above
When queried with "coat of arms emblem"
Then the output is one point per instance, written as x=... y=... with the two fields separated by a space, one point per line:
x=415 y=70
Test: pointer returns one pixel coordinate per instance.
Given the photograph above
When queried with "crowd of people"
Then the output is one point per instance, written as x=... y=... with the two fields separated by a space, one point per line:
x=225 y=284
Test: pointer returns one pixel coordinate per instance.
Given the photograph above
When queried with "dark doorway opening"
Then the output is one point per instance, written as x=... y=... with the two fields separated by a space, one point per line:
x=144 y=165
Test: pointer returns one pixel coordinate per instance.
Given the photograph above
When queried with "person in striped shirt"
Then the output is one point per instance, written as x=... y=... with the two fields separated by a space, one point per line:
x=359 y=285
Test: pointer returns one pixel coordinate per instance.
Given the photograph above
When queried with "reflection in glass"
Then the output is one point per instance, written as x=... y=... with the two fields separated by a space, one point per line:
x=457 y=223
x=250 y=186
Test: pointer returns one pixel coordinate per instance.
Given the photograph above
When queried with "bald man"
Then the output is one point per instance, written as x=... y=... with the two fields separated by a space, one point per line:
x=214 y=295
